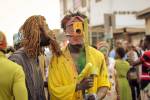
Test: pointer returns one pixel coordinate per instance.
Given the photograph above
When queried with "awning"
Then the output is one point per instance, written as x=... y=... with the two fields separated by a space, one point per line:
x=143 y=14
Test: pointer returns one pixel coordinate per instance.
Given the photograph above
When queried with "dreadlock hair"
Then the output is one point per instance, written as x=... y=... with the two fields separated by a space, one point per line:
x=68 y=17
x=31 y=30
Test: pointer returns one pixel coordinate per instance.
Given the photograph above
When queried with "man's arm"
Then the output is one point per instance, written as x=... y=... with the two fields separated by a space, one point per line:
x=103 y=80
x=138 y=62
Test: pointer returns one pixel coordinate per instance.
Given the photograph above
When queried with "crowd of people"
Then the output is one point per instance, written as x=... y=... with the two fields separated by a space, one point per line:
x=128 y=68
x=37 y=68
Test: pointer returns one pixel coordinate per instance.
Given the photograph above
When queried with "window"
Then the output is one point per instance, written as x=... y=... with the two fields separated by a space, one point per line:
x=97 y=37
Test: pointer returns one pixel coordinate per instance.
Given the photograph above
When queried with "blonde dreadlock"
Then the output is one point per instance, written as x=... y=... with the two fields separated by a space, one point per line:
x=31 y=30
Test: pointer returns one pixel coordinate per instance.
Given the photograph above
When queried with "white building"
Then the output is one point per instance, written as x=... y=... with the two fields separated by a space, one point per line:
x=123 y=14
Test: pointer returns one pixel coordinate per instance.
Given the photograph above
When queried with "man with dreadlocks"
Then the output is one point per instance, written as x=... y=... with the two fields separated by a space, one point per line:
x=80 y=72
x=34 y=33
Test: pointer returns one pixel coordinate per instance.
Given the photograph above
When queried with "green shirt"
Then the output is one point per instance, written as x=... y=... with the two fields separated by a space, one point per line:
x=12 y=80
x=81 y=61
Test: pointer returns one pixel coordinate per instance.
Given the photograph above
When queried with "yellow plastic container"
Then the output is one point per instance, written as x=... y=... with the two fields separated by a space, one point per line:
x=92 y=71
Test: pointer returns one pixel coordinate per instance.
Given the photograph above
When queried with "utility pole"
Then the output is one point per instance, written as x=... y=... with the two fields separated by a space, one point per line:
x=109 y=27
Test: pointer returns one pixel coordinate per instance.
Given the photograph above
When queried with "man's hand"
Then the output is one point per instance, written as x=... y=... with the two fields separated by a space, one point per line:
x=101 y=93
x=92 y=97
x=86 y=83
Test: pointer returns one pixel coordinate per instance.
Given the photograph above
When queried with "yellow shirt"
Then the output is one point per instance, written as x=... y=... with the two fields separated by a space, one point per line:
x=12 y=80
x=63 y=75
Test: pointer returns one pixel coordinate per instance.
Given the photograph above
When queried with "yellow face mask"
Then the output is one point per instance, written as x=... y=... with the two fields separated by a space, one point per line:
x=78 y=27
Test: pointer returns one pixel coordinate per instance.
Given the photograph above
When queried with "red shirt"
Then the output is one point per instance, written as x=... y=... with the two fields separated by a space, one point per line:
x=145 y=59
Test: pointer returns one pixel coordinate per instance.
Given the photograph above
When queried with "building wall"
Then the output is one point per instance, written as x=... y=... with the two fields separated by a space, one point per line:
x=122 y=20
x=136 y=38
x=70 y=5
x=130 y=5
x=65 y=6
x=62 y=8
x=124 y=11
x=97 y=10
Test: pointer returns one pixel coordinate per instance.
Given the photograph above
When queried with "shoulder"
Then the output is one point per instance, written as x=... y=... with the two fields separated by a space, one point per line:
x=18 y=56
x=55 y=60
x=147 y=53
x=95 y=52
x=126 y=62
x=12 y=66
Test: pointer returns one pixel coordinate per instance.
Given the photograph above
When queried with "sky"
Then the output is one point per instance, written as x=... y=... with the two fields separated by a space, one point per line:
x=13 y=14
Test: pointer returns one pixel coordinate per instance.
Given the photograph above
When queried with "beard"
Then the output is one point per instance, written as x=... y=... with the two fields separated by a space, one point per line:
x=76 y=48
x=44 y=41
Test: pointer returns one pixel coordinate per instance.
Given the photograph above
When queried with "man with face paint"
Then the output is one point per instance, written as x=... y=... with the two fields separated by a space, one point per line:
x=34 y=36
x=64 y=71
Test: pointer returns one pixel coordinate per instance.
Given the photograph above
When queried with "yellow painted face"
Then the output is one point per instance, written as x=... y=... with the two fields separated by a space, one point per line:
x=78 y=27
x=75 y=33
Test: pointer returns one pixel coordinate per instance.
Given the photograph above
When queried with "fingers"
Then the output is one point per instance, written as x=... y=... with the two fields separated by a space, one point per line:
x=90 y=82
x=87 y=83
x=91 y=97
x=90 y=79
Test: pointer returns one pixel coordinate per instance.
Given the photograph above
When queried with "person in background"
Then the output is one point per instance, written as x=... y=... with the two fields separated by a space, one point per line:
x=34 y=33
x=147 y=91
x=103 y=47
x=122 y=67
x=140 y=49
x=144 y=60
x=17 y=40
x=64 y=70
x=118 y=43
x=132 y=74
x=131 y=54
x=125 y=44
x=12 y=78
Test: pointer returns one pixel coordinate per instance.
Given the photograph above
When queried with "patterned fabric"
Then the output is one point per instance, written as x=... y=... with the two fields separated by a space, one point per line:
x=73 y=19
x=34 y=80
x=145 y=77
x=3 y=43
